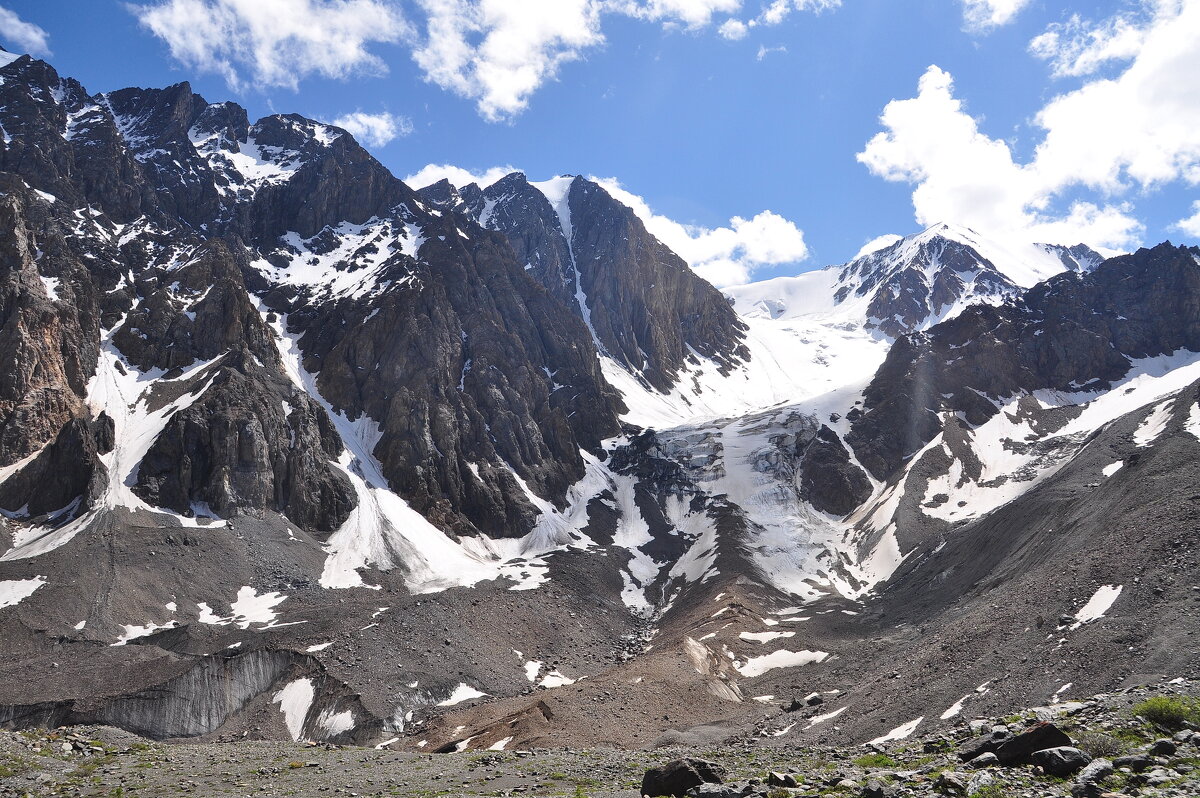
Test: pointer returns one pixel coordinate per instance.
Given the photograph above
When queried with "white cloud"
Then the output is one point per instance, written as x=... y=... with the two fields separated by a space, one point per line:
x=374 y=130
x=876 y=244
x=723 y=255
x=23 y=36
x=764 y=51
x=1139 y=129
x=458 y=177
x=274 y=42
x=497 y=53
x=733 y=29
x=1191 y=225
x=691 y=13
x=1076 y=47
x=981 y=16
x=965 y=177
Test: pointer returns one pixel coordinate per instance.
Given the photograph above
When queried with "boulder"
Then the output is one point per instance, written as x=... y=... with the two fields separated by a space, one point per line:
x=874 y=788
x=1135 y=762
x=1038 y=737
x=775 y=779
x=1163 y=747
x=1061 y=761
x=1095 y=772
x=950 y=782
x=679 y=776
x=982 y=745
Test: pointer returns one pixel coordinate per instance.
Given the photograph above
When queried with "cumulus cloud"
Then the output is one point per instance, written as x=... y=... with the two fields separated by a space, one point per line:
x=274 y=42
x=498 y=53
x=726 y=255
x=876 y=244
x=374 y=130
x=1078 y=47
x=1191 y=225
x=23 y=36
x=733 y=29
x=459 y=177
x=1137 y=130
x=981 y=16
x=966 y=177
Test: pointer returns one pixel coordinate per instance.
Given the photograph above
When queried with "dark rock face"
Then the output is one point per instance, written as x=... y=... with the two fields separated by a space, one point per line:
x=1072 y=332
x=645 y=304
x=249 y=444
x=679 y=776
x=473 y=363
x=646 y=308
x=47 y=344
x=469 y=363
x=828 y=480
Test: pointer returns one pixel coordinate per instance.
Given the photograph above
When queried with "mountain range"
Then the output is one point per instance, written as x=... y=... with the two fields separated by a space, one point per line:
x=290 y=449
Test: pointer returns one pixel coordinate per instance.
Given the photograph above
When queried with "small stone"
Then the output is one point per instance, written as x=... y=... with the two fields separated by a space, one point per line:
x=984 y=760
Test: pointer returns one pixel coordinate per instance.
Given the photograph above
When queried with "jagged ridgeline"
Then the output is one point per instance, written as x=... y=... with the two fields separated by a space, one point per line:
x=291 y=449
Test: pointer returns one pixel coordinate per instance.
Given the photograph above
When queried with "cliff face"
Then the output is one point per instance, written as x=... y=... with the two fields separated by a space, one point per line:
x=645 y=308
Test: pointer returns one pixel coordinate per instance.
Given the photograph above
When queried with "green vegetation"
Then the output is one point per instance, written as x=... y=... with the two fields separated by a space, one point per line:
x=990 y=791
x=875 y=760
x=1098 y=744
x=1169 y=712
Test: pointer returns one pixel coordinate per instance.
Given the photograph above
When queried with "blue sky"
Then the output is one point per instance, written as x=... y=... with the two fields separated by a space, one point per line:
x=711 y=110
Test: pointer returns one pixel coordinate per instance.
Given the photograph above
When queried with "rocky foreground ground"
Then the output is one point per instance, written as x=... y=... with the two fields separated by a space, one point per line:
x=1142 y=741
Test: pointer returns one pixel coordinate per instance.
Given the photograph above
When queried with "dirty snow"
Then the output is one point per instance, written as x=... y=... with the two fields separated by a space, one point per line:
x=1098 y=605
x=294 y=702
x=464 y=692
x=14 y=591
x=757 y=666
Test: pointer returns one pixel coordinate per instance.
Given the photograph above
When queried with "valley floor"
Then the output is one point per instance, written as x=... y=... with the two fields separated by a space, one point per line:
x=101 y=761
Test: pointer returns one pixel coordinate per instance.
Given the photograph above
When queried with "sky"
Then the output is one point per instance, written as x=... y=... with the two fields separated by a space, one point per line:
x=757 y=138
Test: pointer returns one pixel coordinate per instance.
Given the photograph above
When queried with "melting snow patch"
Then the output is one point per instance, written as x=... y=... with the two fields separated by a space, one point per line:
x=955 y=708
x=532 y=668
x=825 y=717
x=555 y=679
x=764 y=637
x=1112 y=468
x=1154 y=424
x=1058 y=693
x=51 y=284
x=1192 y=425
x=1099 y=604
x=757 y=666
x=294 y=701
x=133 y=632
x=386 y=743
x=252 y=607
x=898 y=733
x=783 y=731
x=14 y=591
x=764 y=699
x=318 y=647
x=500 y=745
x=464 y=692
x=335 y=723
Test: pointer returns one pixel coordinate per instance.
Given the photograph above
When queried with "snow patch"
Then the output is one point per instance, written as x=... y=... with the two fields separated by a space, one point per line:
x=14 y=591
x=294 y=702
x=1098 y=605
x=899 y=733
x=757 y=666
